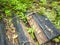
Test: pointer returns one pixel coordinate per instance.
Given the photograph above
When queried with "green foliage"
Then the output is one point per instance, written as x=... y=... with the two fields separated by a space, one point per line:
x=43 y=2
x=8 y=13
x=31 y=31
x=59 y=37
x=54 y=4
x=9 y=6
x=56 y=40
x=0 y=17
x=51 y=15
x=42 y=10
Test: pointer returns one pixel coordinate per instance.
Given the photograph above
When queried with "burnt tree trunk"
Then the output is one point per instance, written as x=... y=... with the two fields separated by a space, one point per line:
x=38 y=31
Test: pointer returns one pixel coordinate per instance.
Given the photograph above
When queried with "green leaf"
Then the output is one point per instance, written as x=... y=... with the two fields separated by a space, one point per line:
x=54 y=4
x=1 y=17
x=44 y=2
x=56 y=40
x=8 y=12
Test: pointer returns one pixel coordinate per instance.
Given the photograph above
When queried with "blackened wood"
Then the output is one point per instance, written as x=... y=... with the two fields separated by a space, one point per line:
x=38 y=31
x=32 y=42
x=23 y=36
x=48 y=28
x=45 y=25
x=2 y=34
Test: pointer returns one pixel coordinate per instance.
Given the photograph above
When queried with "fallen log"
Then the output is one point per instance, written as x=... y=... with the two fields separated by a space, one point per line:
x=38 y=31
x=24 y=37
x=14 y=33
x=44 y=29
